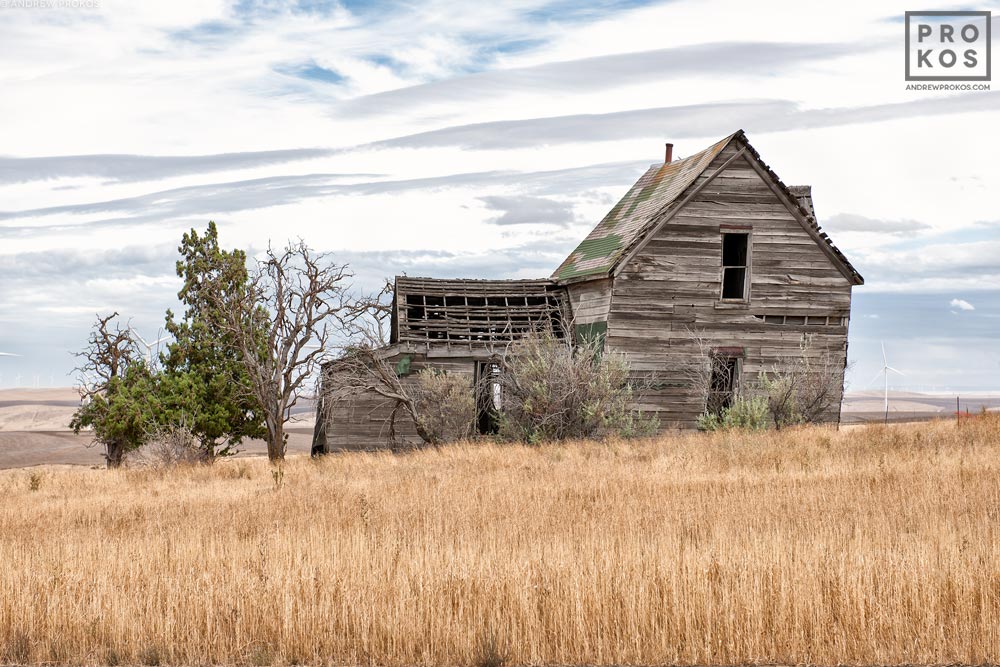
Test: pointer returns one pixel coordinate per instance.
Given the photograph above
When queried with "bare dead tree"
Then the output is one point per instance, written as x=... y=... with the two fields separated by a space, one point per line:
x=362 y=368
x=109 y=350
x=281 y=324
x=112 y=388
x=367 y=320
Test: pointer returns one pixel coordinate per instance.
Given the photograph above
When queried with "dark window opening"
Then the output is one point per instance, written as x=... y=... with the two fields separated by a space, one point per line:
x=735 y=262
x=722 y=386
x=488 y=397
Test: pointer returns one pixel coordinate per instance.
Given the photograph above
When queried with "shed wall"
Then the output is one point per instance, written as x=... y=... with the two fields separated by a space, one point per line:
x=361 y=421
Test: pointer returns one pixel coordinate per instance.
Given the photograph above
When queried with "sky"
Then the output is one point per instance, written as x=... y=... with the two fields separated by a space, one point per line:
x=453 y=139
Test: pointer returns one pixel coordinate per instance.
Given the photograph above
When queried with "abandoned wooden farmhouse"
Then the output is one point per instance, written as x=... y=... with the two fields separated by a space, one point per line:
x=713 y=243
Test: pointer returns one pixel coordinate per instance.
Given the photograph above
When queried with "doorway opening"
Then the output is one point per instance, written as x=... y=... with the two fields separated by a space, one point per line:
x=723 y=383
x=488 y=397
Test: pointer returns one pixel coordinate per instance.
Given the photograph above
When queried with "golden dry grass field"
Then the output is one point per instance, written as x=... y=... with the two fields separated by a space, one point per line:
x=871 y=545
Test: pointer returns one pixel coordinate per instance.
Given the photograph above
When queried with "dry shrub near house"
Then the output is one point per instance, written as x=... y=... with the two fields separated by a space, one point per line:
x=446 y=405
x=167 y=446
x=874 y=545
x=553 y=389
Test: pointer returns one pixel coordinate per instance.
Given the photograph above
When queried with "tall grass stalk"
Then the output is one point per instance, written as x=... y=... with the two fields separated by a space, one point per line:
x=874 y=545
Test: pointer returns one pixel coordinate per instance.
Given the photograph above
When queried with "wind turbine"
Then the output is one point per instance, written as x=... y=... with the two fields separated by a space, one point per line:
x=149 y=346
x=87 y=386
x=884 y=371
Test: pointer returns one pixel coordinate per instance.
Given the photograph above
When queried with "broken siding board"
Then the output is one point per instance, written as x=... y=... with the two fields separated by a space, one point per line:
x=590 y=301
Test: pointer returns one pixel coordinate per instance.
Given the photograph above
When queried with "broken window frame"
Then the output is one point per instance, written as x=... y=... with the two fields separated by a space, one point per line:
x=718 y=399
x=745 y=267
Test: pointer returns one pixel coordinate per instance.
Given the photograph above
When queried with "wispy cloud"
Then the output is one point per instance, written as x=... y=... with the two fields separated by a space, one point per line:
x=677 y=122
x=312 y=72
x=525 y=210
x=129 y=168
x=466 y=139
x=961 y=304
x=527 y=261
x=851 y=222
x=939 y=265
x=219 y=198
x=722 y=60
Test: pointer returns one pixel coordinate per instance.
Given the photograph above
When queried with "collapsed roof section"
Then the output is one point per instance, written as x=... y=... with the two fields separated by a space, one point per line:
x=474 y=312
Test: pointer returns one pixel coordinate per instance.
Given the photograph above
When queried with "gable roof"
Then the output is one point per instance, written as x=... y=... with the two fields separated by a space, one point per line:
x=657 y=188
x=632 y=219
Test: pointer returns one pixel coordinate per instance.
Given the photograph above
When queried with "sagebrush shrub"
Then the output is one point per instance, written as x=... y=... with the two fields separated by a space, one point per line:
x=553 y=389
x=446 y=405
x=746 y=412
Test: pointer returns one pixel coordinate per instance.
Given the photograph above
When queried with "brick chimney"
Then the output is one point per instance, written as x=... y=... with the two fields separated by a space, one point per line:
x=670 y=154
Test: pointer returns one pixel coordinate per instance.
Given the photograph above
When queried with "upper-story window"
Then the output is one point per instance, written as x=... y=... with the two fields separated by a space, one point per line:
x=736 y=266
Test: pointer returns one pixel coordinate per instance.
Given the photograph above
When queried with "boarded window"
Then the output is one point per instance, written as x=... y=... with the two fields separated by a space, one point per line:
x=735 y=265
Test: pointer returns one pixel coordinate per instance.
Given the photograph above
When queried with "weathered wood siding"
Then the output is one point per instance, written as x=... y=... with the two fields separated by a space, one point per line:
x=361 y=422
x=590 y=301
x=669 y=291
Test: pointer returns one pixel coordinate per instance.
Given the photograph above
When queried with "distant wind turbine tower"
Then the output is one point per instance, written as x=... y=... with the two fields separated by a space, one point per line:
x=149 y=346
x=885 y=370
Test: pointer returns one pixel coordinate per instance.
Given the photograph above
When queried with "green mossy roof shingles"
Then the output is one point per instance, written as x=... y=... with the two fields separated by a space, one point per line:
x=659 y=187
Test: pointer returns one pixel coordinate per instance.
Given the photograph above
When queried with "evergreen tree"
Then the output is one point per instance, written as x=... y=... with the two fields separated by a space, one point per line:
x=204 y=380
